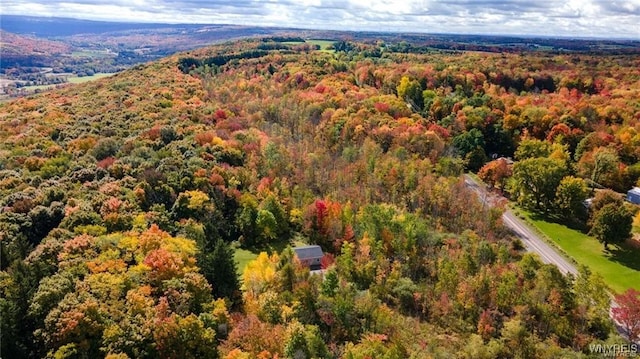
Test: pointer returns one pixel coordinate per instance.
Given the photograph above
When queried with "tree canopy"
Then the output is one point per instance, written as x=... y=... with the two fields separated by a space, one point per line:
x=124 y=202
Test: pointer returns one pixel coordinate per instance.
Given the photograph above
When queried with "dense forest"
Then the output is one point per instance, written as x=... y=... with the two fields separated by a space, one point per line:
x=123 y=201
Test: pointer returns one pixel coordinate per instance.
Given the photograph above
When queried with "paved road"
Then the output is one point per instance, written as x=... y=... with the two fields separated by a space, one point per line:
x=533 y=243
x=529 y=238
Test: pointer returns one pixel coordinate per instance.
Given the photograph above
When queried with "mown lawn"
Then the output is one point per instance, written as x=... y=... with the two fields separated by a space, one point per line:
x=619 y=266
x=243 y=256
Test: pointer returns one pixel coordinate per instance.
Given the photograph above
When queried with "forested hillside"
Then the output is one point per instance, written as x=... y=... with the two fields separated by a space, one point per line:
x=124 y=199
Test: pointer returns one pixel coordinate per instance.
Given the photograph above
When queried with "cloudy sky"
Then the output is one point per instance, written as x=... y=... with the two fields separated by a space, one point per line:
x=573 y=18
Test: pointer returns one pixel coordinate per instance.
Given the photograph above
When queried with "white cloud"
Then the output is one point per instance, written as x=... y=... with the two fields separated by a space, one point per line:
x=577 y=18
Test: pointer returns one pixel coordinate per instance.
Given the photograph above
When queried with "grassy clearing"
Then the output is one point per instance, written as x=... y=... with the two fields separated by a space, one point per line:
x=70 y=79
x=243 y=256
x=38 y=87
x=619 y=266
x=324 y=45
x=79 y=80
x=292 y=42
x=93 y=53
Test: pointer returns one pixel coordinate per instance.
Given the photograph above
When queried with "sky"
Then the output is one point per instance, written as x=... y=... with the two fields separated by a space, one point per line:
x=567 y=18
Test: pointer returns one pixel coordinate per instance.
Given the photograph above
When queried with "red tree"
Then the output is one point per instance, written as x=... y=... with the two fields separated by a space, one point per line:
x=495 y=173
x=627 y=313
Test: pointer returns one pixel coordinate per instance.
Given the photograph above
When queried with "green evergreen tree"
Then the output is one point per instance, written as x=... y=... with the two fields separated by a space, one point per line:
x=220 y=269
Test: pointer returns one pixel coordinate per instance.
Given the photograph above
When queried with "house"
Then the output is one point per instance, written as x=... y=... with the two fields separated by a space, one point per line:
x=310 y=256
x=633 y=195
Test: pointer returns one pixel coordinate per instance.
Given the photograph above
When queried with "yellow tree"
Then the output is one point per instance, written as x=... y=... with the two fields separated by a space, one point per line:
x=258 y=276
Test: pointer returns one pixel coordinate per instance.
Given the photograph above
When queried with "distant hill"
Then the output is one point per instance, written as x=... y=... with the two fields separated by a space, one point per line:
x=58 y=26
x=15 y=44
x=85 y=47
x=44 y=50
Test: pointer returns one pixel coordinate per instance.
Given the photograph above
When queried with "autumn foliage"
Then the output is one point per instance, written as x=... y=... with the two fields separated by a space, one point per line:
x=627 y=313
x=123 y=200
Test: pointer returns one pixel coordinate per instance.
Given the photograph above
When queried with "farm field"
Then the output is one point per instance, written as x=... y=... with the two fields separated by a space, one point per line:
x=70 y=79
x=82 y=79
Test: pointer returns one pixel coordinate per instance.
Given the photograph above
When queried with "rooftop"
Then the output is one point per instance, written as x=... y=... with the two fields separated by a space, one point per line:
x=311 y=251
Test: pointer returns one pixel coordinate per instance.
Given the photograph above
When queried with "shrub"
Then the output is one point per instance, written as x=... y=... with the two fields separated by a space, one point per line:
x=104 y=148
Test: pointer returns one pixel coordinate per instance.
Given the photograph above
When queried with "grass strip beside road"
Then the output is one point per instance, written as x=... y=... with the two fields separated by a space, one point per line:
x=620 y=266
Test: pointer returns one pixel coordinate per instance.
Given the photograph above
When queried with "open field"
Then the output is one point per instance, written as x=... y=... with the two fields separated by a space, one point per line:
x=30 y=89
x=70 y=79
x=78 y=80
x=619 y=266
x=324 y=44
x=93 y=53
